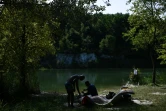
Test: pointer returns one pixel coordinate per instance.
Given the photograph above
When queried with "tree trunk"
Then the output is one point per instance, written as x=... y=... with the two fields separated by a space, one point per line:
x=23 y=71
x=153 y=59
x=153 y=53
x=23 y=86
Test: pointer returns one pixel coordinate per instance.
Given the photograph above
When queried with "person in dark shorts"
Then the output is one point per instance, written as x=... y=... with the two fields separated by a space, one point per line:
x=70 y=85
x=91 y=89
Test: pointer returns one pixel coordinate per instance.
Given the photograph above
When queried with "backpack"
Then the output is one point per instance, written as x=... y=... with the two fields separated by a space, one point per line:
x=110 y=95
x=86 y=101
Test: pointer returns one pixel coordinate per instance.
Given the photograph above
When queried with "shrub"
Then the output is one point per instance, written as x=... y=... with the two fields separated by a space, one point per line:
x=135 y=78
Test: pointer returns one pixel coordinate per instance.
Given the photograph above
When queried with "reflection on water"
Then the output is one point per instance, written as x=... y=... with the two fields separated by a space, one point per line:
x=53 y=80
x=91 y=77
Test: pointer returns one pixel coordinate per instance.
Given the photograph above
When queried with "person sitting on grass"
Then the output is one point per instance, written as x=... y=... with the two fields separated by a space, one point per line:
x=91 y=89
x=70 y=85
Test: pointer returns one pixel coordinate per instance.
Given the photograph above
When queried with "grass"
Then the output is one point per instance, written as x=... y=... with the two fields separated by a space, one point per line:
x=145 y=93
x=55 y=102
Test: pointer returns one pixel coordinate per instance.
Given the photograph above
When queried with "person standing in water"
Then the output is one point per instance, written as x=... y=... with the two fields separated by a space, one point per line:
x=70 y=86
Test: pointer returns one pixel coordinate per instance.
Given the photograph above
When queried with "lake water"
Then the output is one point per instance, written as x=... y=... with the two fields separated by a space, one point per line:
x=54 y=80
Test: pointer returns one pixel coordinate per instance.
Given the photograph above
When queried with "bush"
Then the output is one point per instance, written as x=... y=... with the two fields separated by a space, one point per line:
x=147 y=79
x=135 y=78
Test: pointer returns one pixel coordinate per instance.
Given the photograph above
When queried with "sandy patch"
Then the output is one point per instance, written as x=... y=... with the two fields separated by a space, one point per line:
x=158 y=93
x=142 y=102
x=113 y=109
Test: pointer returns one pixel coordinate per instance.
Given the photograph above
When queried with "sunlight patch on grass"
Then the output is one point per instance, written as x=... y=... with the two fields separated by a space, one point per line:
x=158 y=93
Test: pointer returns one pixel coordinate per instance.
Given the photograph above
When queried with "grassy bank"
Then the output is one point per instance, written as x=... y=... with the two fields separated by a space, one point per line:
x=55 y=102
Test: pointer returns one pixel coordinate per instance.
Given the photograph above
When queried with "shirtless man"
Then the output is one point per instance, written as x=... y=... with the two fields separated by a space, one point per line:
x=70 y=85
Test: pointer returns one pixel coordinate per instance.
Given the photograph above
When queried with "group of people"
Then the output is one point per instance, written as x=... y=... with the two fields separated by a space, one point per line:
x=72 y=84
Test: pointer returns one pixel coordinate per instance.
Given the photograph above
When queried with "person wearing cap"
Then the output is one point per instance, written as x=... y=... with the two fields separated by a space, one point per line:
x=70 y=86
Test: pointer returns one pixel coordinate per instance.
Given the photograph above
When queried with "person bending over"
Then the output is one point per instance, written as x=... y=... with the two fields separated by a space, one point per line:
x=91 y=89
x=70 y=85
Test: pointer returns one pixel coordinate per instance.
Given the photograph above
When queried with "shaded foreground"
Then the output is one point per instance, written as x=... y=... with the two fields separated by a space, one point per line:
x=55 y=102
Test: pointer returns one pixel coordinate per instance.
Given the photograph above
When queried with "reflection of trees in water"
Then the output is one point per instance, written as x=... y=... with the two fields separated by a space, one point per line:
x=62 y=78
x=55 y=79
x=91 y=78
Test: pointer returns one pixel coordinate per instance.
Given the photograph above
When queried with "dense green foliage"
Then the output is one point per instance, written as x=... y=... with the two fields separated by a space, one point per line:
x=147 y=23
x=31 y=30
x=25 y=37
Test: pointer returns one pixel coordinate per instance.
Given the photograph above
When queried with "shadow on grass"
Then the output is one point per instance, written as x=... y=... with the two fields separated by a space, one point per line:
x=55 y=102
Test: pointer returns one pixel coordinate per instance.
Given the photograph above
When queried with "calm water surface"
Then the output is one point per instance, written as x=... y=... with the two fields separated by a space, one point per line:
x=53 y=80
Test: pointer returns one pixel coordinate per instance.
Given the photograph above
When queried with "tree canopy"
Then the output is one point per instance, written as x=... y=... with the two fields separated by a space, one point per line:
x=147 y=26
